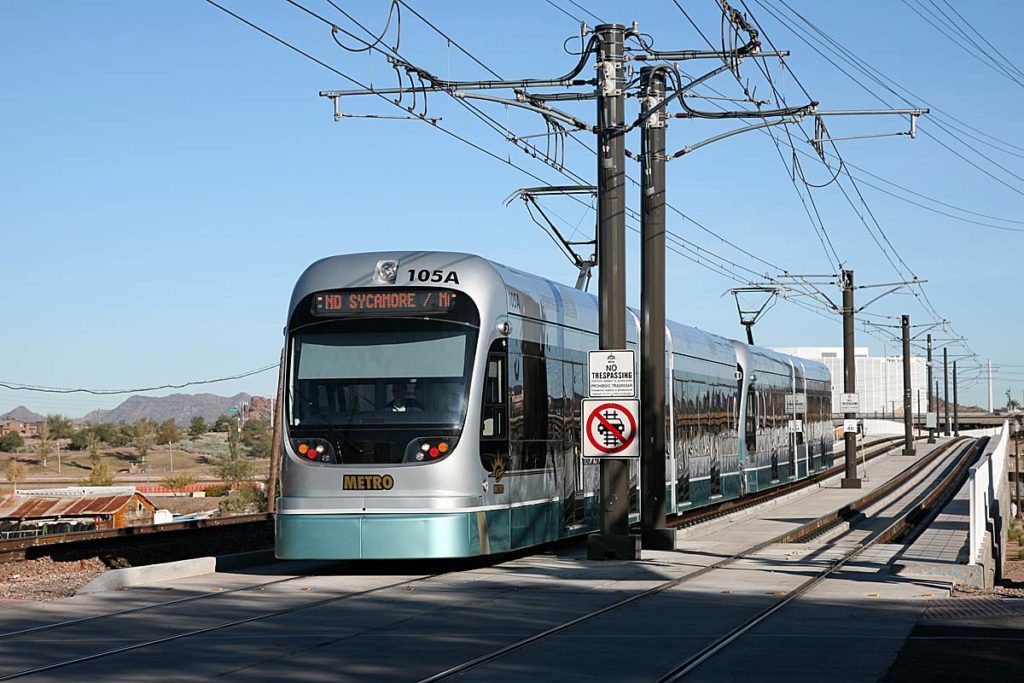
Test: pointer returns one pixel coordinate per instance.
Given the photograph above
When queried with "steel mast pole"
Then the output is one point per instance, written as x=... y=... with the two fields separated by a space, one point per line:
x=655 y=534
x=908 y=422
x=956 y=407
x=850 y=481
x=614 y=541
x=945 y=391
x=931 y=432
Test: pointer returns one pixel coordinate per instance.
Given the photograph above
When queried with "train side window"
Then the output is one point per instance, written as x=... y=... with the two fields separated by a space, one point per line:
x=493 y=424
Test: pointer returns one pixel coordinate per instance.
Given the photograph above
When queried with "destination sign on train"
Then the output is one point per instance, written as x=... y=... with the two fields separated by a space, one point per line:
x=373 y=301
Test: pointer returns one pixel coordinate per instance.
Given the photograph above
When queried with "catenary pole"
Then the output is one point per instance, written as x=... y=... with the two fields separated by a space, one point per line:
x=850 y=481
x=908 y=421
x=931 y=404
x=945 y=391
x=655 y=534
x=956 y=407
x=614 y=540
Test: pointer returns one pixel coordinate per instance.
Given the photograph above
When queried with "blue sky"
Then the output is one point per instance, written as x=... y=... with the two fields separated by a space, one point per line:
x=168 y=172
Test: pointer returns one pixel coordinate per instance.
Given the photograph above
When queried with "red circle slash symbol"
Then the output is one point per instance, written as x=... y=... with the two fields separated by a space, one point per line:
x=610 y=434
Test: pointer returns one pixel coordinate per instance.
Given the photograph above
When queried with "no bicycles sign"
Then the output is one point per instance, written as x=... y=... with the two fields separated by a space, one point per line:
x=610 y=428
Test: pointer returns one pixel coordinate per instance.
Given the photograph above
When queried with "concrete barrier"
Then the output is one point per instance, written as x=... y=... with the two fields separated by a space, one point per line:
x=116 y=579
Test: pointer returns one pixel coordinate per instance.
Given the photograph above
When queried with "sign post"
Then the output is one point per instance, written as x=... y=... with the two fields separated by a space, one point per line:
x=611 y=433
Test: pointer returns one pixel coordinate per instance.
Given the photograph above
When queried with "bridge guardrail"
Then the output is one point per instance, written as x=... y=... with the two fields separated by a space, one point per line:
x=989 y=498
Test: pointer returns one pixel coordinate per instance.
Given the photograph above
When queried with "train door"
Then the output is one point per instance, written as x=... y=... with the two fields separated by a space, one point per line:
x=494 y=448
x=750 y=435
x=682 y=442
x=800 y=381
x=573 y=495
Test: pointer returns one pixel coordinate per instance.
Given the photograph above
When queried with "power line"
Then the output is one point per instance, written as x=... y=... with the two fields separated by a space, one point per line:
x=18 y=386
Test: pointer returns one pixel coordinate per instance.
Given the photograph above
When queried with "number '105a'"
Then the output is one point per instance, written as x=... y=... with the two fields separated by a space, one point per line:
x=433 y=276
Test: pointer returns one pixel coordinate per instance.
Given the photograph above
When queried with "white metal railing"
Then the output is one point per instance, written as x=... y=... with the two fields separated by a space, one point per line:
x=988 y=488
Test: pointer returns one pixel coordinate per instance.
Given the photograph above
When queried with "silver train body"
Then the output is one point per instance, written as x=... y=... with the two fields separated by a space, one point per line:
x=433 y=410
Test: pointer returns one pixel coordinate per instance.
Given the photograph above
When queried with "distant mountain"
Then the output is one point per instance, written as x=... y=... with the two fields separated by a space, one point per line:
x=22 y=414
x=178 y=407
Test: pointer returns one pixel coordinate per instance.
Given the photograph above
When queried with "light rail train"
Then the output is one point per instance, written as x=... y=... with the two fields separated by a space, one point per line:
x=433 y=410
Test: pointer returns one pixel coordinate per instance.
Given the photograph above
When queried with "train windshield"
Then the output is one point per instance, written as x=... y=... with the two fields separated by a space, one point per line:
x=381 y=373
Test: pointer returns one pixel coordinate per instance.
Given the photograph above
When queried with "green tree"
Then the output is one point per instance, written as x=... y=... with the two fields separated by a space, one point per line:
x=60 y=427
x=100 y=476
x=168 y=432
x=106 y=433
x=221 y=424
x=197 y=427
x=143 y=432
x=234 y=468
x=256 y=438
x=79 y=440
x=15 y=471
x=11 y=442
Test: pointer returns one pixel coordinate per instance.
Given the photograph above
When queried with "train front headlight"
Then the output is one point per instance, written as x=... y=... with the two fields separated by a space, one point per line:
x=314 y=450
x=429 y=448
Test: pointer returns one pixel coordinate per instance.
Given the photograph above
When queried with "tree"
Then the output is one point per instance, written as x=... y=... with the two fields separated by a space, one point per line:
x=256 y=438
x=142 y=437
x=221 y=424
x=10 y=442
x=100 y=476
x=94 y=449
x=176 y=481
x=15 y=472
x=197 y=427
x=107 y=433
x=45 y=449
x=79 y=440
x=234 y=468
x=168 y=432
x=60 y=427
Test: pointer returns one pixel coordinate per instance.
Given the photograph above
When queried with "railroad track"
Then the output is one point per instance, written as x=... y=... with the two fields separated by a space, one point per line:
x=878 y=448
x=104 y=540
x=154 y=632
x=898 y=527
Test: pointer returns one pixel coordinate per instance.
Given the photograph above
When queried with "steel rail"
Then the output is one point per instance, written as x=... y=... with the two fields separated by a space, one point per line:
x=149 y=532
x=529 y=640
x=207 y=629
x=857 y=507
x=700 y=515
x=143 y=608
x=890 y=532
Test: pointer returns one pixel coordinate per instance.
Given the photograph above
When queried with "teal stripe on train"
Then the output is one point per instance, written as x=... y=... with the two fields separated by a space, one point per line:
x=434 y=535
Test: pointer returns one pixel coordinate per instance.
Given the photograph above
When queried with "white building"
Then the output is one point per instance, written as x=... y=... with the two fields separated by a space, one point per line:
x=879 y=380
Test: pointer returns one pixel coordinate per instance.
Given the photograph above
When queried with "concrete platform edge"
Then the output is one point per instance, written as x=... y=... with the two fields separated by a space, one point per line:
x=115 y=579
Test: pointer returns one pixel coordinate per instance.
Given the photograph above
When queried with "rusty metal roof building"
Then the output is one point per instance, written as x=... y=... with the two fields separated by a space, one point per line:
x=82 y=501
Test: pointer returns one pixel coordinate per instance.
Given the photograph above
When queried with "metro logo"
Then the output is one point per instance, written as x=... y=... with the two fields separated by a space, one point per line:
x=367 y=482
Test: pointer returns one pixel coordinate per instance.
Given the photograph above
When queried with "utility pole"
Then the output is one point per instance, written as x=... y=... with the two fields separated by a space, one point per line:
x=908 y=418
x=990 y=385
x=655 y=534
x=956 y=407
x=945 y=391
x=931 y=406
x=850 y=481
x=614 y=541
